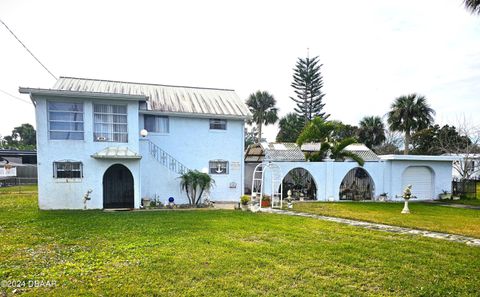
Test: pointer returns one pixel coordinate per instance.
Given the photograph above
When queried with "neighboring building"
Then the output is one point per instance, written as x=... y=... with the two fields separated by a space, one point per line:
x=18 y=156
x=467 y=166
x=18 y=167
x=332 y=181
x=88 y=138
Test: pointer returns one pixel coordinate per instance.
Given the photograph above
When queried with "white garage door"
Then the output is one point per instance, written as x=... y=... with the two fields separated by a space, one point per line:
x=421 y=179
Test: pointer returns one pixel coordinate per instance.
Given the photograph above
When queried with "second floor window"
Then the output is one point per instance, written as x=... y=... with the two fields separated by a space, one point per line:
x=65 y=120
x=218 y=124
x=110 y=123
x=156 y=124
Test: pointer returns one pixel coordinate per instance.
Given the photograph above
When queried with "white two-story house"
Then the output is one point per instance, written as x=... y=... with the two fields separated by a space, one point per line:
x=90 y=138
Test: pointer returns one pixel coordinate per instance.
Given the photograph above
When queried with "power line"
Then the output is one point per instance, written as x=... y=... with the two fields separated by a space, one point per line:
x=27 y=49
x=15 y=97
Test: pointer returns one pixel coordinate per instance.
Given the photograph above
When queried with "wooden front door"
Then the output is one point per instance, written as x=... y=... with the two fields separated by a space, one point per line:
x=118 y=187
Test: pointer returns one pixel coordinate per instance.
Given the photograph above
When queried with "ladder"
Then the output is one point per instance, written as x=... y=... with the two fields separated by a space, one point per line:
x=258 y=180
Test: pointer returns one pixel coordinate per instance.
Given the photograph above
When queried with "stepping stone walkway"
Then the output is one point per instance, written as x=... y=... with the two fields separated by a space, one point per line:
x=381 y=227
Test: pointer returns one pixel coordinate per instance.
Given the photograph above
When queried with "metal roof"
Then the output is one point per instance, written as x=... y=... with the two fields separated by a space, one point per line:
x=164 y=98
x=116 y=152
x=363 y=151
x=280 y=152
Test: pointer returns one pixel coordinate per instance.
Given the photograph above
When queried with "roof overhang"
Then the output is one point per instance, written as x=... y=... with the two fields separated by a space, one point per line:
x=81 y=94
x=419 y=158
x=116 y=152
x=195 y=115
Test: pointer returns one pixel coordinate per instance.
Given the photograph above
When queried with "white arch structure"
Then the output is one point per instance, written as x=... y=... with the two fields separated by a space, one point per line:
x=258 y=181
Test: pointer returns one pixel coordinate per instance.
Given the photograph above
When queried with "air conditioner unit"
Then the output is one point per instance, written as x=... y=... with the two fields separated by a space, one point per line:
x=101 y=138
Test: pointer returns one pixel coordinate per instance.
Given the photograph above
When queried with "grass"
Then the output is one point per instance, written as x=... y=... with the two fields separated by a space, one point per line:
x=18 y=189
x=423 y=215
x=220 y=253
x=474 y=202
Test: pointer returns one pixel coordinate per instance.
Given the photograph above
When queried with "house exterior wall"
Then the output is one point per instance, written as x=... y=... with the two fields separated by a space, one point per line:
x=191 y=142
x=442 y=176
x=328 y=176
x=387 y=176
x=68 y=193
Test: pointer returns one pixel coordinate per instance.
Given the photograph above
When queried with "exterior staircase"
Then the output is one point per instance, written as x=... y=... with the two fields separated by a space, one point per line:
x=166 y=159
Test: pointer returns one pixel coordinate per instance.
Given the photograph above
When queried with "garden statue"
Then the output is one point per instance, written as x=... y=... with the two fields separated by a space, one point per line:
x=289 y=199
x=407 y=194
x=86 y=197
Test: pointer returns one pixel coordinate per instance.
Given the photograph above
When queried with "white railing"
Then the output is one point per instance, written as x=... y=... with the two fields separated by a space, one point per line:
x=166 y=159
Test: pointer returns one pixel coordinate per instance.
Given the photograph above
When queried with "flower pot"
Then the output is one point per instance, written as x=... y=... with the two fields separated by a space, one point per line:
x=265 y=203
x=244 y=207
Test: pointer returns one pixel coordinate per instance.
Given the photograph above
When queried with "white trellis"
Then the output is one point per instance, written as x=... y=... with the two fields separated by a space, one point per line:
x=258 y=189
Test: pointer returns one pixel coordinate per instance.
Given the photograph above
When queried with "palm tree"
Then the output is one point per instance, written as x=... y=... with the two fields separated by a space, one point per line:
x=408 y=114
x=338 y=152
x=262 y=107
x=195 y=183
x=473 y=6
x=371 y=131
x=321 y=131
x=317 y=130
x=290 y=126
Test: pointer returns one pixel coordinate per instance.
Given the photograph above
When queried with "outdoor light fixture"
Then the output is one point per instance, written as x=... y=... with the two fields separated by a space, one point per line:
x=144 y=133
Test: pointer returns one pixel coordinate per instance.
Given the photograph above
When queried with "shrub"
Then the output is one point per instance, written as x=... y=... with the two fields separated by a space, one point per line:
x=244 y=199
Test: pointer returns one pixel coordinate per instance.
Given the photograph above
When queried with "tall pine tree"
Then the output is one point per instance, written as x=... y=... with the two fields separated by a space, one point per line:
x=308 y=83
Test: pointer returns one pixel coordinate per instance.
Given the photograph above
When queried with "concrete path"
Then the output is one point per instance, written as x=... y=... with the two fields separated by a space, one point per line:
x=381 y=227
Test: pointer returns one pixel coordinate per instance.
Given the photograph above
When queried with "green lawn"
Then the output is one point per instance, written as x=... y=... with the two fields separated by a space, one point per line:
x=423 y=215
x=221 y=253
x=474 y=202
x=19 y=189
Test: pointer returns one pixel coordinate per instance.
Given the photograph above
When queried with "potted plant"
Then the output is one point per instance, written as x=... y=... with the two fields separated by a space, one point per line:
x=244 y=200
x=146 y=202
x=445 y=195
x=383 y=197
x=266 y=201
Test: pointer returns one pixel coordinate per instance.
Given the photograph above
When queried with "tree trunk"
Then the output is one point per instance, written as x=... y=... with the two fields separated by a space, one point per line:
x=407 y=143
x=259 y=132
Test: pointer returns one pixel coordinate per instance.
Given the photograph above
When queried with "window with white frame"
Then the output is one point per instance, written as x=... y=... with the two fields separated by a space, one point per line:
x=65 y=120
x=67 y=169
x=110 y=123
x=218 y=124
x=156 y=124
x=218 y=167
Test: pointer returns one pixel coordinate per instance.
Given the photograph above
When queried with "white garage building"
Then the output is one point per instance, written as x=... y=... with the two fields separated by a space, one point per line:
x=332 y=181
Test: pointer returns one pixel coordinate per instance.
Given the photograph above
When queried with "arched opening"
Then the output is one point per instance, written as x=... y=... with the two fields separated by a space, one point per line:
x=301 y=183
x=357 y=185
x=118 y=187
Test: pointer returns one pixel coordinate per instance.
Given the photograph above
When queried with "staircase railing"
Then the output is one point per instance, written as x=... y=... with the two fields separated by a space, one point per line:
x=166 y=159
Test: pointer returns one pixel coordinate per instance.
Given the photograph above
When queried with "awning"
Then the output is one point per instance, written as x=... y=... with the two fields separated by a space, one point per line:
x=116 y=152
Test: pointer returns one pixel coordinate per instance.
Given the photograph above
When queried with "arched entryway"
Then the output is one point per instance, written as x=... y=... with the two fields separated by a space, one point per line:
x=357 y=185
x=118 y=187
x=301 y=183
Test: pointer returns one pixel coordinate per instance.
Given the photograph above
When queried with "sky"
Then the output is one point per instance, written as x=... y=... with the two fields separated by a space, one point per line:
x=371 y=51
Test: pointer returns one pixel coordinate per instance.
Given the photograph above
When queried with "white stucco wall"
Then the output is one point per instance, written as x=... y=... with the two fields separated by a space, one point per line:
x=192 y=143
x=329 y=175
x=387 y=176
x=68 y=193
x=441 y=170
